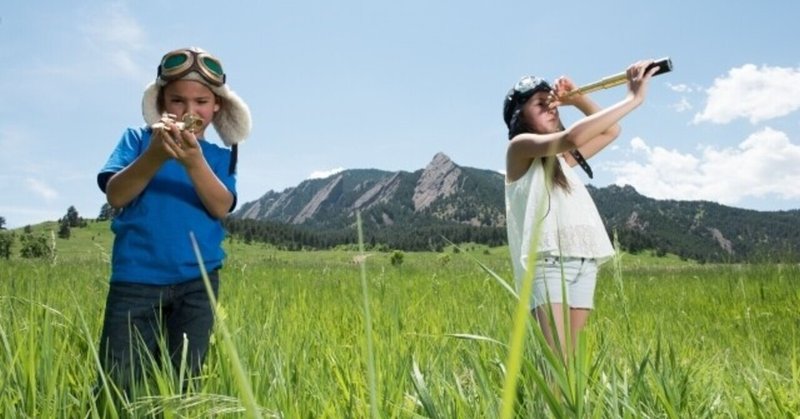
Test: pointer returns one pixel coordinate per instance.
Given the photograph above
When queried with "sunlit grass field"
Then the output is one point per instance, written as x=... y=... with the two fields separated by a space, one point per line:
x=668 y=338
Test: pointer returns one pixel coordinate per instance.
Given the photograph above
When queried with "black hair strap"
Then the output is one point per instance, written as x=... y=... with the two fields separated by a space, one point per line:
x=582 y=162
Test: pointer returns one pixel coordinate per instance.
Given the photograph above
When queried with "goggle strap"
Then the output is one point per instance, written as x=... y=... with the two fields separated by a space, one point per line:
x=234 y=158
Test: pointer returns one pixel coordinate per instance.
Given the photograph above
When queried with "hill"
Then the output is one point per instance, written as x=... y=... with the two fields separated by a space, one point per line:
x=417 y=210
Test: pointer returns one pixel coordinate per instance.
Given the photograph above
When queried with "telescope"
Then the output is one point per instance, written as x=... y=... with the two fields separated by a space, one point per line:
x=664 y=66
x=190 y=122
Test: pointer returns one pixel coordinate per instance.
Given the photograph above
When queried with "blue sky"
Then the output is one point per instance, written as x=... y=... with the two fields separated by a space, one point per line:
x=388 y=84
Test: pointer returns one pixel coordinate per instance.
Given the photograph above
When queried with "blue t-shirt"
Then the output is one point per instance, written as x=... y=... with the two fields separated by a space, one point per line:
x=152 y=243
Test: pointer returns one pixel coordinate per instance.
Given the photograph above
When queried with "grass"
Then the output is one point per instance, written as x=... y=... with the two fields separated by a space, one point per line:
x=669 y=338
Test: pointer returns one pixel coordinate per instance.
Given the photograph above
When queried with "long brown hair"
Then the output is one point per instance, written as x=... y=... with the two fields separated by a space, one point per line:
x=550 y=163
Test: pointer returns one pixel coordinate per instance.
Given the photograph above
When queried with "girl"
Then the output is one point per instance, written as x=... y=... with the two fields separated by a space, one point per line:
x=544 y=196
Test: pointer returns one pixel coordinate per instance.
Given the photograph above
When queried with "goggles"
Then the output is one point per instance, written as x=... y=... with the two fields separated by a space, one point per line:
x=529 y=85
x=177 y=64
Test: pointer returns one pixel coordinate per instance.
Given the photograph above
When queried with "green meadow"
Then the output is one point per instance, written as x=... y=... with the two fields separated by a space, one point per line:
x=319 y=334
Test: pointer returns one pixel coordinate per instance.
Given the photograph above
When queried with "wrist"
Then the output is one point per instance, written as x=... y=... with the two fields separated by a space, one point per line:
x=586 y=105
x=154 y=158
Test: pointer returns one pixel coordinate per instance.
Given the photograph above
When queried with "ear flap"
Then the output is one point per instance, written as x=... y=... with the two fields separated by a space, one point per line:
x=232 y=121
x=150 y=104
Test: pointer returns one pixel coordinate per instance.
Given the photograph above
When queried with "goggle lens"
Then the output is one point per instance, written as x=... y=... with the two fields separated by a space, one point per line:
x=174 y=61
x=213 y=65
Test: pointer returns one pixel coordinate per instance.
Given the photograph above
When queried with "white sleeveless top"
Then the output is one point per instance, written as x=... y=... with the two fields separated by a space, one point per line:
x=569 y=221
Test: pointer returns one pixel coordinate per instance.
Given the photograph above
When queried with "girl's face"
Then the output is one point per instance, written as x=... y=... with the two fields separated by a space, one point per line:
x=183 y=97
x=539 y=117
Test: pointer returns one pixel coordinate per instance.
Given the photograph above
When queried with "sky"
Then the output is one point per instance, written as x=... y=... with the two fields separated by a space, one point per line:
x=348 y=84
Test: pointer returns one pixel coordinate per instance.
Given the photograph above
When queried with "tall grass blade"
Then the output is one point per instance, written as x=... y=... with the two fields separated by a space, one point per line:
x=758 y=406
x=617 y=264
x=422 y=390
x=514 y=358
x=373 y=394
x=467 y=336
x=105 y=385
x=522 y=314
x=242 y=381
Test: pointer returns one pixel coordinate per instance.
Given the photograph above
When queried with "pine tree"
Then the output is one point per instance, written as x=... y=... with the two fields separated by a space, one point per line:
x=73 y=219
x=63 y=230
x=107 y=212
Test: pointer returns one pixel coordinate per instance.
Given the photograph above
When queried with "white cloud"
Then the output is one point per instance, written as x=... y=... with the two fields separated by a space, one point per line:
x=757 y=94
x=682 y=106
x=322 y=174
x=766 y=163
x=41 y=189
x=680 y=88
x=117 y=36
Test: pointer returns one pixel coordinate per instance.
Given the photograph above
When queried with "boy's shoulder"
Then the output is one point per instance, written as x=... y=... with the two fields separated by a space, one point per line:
x=142 y=131
x=213 y=147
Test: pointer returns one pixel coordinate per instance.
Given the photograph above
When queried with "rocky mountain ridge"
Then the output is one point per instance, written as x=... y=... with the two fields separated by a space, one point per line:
x=446 y=194
x=440 y=191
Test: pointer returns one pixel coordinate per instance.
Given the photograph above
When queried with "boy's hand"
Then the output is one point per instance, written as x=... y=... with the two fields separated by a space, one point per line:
x=169 y=141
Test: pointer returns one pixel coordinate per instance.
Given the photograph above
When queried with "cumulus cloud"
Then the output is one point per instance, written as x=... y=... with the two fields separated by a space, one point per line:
x=757 y=94
x=322 y=174
x=41 y=189
x=766 y=163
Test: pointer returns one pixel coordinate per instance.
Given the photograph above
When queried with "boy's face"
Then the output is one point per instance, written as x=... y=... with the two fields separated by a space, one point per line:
x=183 y=97
x=540 y=116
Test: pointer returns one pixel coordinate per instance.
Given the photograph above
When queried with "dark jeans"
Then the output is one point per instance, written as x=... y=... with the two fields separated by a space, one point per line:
x=137 y=316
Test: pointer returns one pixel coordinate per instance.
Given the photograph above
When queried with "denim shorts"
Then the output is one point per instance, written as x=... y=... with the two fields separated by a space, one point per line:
x=555 y=275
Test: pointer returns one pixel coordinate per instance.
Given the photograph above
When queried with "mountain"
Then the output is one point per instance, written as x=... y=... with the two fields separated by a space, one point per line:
x=412 y=210
x=442 y=192
x=699 y=230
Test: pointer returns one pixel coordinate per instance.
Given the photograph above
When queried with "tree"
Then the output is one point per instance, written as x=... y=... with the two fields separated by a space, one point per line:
x=107 y=212
x=73 y=219
x=2 y=223
x=6 y=240
x=63 y=230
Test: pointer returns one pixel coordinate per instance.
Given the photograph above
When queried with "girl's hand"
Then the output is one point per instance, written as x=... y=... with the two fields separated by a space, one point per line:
x=561 y=87
x=638 y=79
